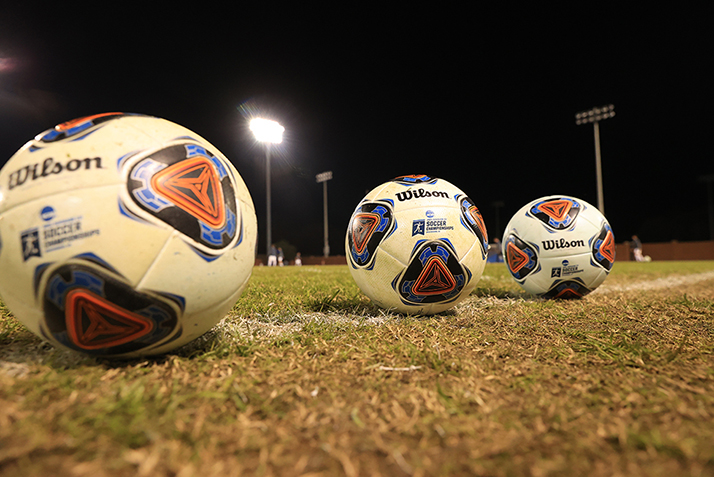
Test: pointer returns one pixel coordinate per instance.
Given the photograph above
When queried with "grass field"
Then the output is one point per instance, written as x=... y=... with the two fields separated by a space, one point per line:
x=306 y=377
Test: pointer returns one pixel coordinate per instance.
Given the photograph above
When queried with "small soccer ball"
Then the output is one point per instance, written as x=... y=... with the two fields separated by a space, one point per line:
x=559 y=247
x=122 y=235
x=416 y=245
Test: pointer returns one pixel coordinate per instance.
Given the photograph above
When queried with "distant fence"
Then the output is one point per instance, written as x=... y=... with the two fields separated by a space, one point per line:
x=331 y=260
x=673 y=250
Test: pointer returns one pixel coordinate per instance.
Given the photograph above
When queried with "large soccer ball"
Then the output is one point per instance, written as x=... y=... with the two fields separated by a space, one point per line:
x=416 y=245
x=122 y=235
x=559 y=247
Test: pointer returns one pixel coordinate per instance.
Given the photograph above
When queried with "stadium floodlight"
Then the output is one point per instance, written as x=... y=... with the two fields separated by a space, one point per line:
x=594 y=116
x=324 y=177
x=268 y=132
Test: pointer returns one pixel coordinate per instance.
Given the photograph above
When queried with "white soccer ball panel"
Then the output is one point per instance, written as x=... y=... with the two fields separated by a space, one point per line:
x=405 y=197
x=376 y=282
x=199 y=323
x=53 y=163
x=65 y=225
x=182 y=269
x=474 y=261
x=425 y=223
x=558 y=268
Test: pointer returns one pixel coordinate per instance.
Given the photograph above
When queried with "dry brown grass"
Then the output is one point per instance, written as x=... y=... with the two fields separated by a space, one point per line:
x=620 y=383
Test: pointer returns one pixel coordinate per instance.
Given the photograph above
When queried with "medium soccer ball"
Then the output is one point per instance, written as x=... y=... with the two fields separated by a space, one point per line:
x=416 y=245
x=122 y=235
x=559 y=247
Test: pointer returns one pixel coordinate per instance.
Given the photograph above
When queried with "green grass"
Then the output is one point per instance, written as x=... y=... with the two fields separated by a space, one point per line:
x=306 y=377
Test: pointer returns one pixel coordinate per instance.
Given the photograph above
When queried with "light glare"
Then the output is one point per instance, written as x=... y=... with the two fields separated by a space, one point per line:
x=266 y=130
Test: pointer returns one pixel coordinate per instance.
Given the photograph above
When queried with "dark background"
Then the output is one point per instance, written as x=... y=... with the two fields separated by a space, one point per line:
x=484 y=98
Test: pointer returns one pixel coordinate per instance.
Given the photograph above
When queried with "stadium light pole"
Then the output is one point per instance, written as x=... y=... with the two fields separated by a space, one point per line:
x=594 y=116
x=268 y=132
x=324 y=177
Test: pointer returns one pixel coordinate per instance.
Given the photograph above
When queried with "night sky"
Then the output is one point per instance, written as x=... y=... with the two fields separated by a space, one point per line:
x=485 y=99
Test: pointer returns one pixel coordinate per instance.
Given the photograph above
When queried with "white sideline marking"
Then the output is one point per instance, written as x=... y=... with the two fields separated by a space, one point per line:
x=390 y=368
x=236 y=328
x=14 y=370
x=656 y=284
x=260 y=329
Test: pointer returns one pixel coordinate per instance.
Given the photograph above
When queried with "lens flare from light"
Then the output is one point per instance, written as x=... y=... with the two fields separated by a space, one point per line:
x=266 y=130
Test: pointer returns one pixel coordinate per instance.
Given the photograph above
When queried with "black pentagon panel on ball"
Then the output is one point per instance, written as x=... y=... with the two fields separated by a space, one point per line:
x=415 y=179
x=77 y=128
x=370 y=224
x=89 y=308
x=473 y=220
x=187 y=187
x=567 y=290
x=434 y=275
x=603 y=247
x=556 y=213
x=521 y=257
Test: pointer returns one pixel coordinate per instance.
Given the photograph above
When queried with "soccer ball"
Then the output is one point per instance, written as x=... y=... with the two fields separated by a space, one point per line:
x=559 y=247
x=416 y=245
x=122 y=235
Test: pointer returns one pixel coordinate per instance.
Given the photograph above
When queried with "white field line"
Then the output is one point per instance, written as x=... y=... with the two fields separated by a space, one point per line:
x=656 y=284
x=13 y=362
x=247 y=328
